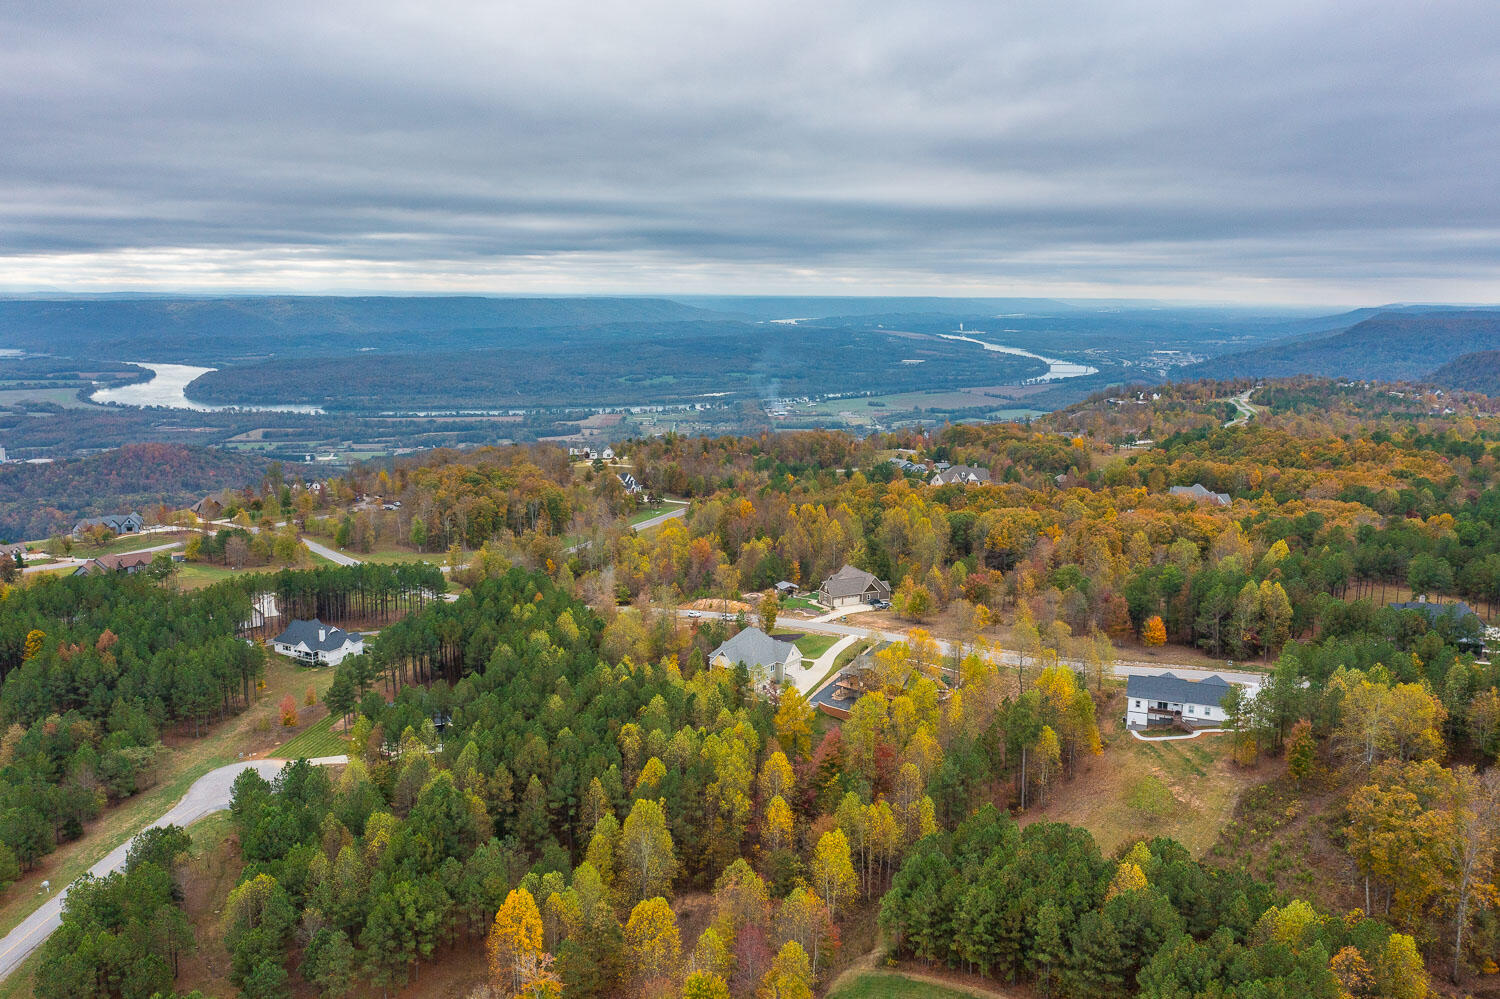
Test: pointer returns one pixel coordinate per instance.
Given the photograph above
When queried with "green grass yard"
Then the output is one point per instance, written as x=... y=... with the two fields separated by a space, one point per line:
x=317 y=740
x=813 y=646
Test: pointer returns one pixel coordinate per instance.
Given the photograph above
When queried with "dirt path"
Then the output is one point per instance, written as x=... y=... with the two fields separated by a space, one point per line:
x=868 y=965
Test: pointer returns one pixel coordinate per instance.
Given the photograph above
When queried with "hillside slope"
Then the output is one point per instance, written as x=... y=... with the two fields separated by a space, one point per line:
x=37 y=501
x=1476 y=372
x=1390 y=346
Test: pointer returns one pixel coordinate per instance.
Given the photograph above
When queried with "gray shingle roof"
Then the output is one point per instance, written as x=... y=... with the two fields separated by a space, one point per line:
x=1198 y=491
x=1178 y=690
x=754 y=647
x=848 y=582
x=1434 y=610
x=307 y=632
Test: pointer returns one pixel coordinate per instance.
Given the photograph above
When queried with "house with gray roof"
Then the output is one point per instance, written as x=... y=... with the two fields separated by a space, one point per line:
x=766 y=657
x=1199 y=493
x=850 y=586
x=1461 y=624
x=316 y=643
x=1169 y=699
x=963 y=475
x=119 y=523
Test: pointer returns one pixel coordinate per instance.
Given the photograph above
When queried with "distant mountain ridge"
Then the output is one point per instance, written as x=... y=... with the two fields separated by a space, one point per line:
x=1391 y=346
x=215 y=330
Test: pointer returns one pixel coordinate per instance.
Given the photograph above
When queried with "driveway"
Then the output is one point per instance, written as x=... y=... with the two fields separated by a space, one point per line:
x=337 y=558
x=209 y=793
x=808 y=676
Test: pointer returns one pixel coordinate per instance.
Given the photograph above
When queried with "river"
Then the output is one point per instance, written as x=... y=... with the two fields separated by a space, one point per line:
x=168 y=388
x=1056 y=369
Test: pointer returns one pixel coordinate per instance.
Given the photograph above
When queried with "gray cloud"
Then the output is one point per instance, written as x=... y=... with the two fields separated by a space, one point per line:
x=1299 y=151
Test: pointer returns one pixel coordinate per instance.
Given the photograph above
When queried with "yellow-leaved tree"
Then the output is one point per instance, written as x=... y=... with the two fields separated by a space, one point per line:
x=832 y=870
x=790 y=975
x=653 y=945
x=1154 y=634
x=514 y=945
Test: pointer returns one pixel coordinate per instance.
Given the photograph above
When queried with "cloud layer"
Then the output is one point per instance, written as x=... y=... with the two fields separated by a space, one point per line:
x=1312 y=151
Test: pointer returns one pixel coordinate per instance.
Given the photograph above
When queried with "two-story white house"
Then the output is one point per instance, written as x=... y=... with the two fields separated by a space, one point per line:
x=1168 y=699
x=319 y=643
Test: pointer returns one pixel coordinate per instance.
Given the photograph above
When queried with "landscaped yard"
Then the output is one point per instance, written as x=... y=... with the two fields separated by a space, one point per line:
x=647 y=512
x=128 y=543
x=317 y=740
x=803 y=604
x=813 y=646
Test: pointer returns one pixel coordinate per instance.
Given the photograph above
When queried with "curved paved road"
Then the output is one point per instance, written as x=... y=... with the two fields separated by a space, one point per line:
x=1121 y=668
x=209 y=793
x=337 y=558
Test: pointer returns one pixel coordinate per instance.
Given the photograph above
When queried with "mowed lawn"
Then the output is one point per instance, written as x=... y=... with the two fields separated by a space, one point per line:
x=317 y=740
x=1184 y=789
x=813 y=646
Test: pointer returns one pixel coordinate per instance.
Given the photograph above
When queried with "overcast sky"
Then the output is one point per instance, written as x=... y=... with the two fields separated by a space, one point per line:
x=1338 y=152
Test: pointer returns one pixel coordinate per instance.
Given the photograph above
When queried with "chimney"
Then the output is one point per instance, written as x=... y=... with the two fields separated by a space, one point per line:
x=322 y=634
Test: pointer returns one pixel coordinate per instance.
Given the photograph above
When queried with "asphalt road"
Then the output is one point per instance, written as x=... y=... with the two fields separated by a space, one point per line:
x=337 y=558
x=209 y=793
x=1121 y=668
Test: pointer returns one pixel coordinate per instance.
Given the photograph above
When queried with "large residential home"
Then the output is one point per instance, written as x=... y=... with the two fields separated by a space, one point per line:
x=1466 y=634
x=850 y=586
x=767 y=658
x=316 y=642
x=1199 y=493
x=1168 y=699
x=17 y=550
x=119 y=523
x=630 y=483
x=129 y=563
x=207 y=508
x=963 y=475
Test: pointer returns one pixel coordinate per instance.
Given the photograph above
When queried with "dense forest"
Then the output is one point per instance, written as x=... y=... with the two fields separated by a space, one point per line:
x=94 y=669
